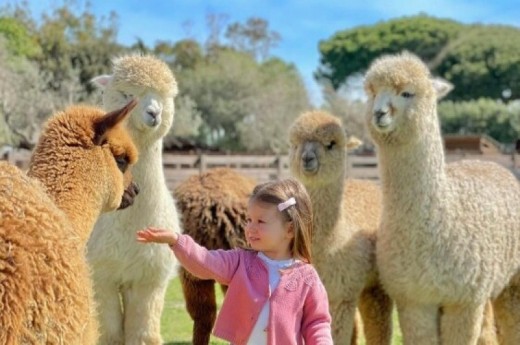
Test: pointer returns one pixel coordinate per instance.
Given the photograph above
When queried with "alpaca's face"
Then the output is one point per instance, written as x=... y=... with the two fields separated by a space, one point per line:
x=153 y=115
x=390 y=110
x=317 y=155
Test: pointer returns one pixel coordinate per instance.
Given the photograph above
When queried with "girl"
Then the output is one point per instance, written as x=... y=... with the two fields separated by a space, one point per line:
x=274 y=294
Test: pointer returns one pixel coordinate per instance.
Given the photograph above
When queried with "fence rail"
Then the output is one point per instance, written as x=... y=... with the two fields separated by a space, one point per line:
x=178 y=167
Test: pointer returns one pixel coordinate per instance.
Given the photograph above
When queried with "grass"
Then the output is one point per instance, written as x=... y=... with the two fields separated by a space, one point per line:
x=176 y=324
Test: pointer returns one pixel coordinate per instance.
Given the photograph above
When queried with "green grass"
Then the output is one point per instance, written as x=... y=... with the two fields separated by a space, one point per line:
x=176 y=324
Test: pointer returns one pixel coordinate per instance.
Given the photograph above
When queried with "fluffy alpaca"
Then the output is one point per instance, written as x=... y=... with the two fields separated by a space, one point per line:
x=346 y=217
x=77 y=171
x=450 y=233
x=213 y=208
x=124 y=271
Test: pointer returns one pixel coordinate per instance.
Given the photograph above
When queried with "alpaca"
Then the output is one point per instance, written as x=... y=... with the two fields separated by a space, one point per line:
x=213 y=206
x=78 y=169
x=450 y=233
x=130 y=279
x=346 y=216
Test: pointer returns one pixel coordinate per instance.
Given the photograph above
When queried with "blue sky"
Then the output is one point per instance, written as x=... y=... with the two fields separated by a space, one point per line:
x=301 y=23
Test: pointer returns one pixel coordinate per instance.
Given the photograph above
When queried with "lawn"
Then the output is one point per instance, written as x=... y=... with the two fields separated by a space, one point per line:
x=177 y=326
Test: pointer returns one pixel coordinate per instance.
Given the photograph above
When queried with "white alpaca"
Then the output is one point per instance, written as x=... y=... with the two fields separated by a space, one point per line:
x=450 y=234
x=124 y=271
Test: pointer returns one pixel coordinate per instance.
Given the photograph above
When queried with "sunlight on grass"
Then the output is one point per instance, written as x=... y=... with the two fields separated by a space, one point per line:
x=176 y=324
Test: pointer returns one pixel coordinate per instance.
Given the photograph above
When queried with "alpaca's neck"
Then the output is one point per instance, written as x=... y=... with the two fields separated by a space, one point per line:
x=149 y=166
x=327 y=208
x=81 y=215
x=413 y=175
x=81 y=205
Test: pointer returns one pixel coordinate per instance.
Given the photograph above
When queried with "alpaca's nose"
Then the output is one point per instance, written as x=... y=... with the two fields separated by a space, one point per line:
x=153 y=113
x=380 y=113
x=310 y=160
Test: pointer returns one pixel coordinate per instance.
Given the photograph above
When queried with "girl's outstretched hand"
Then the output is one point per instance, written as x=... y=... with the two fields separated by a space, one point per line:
x=155 y=235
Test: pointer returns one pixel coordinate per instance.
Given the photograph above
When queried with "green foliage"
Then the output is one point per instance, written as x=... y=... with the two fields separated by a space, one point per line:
x=253 y=37
x=480 y=60
x=24 y=104
x=76 y=47
x=484 y=61
x=183 y=54
x=482 y=116
x=20 y=42
x=351 y=51
x=244 y=104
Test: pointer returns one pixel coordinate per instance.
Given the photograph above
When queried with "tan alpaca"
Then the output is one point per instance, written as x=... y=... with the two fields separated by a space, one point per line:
x=450 y=233
x=78 y=170
x=346 y=217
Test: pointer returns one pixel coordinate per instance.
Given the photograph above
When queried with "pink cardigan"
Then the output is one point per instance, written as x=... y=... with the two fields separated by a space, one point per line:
x=299 y=310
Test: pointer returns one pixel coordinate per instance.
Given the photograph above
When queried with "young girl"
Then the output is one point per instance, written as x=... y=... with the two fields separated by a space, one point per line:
x=274 y=294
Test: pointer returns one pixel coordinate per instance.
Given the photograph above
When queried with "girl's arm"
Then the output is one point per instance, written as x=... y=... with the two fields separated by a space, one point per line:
x=202 y=263
x=316 y=322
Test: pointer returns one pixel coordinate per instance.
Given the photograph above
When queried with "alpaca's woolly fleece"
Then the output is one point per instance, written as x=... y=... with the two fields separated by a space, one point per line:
x=450 y=234
x=46 y=293
x=144 y=72
x=346 y=216
x=213 y=208
x=123 y=269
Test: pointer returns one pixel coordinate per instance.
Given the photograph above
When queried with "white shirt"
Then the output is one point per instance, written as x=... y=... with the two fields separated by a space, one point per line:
x=259 y=335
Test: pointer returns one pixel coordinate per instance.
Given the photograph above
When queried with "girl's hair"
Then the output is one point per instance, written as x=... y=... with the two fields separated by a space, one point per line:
x=300 y=214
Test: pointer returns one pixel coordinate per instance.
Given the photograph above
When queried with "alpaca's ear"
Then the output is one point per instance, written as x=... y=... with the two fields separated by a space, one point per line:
x=101 y=81
x=353 y=143
x=441 y=86
x=108 y=121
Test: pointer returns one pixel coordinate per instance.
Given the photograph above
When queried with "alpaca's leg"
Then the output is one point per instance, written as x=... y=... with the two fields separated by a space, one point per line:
x=143 y=305
x=201 y=305
x=343 y=322
x=488 y=335
x=461 y=324
x=375 y=307
x=110 y=315
x=507 y=315
x=419 y=324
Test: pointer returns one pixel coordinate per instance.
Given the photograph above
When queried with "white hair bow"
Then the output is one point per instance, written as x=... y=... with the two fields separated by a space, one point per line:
x=283 y=205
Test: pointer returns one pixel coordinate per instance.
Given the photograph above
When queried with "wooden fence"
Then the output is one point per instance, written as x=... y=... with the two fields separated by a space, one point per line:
x=267 y=167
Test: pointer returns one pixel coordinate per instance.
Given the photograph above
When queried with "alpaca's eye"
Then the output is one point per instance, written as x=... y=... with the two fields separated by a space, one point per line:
x=407 y=94
x=122 y=162
x=331 y=145
x=125 y=95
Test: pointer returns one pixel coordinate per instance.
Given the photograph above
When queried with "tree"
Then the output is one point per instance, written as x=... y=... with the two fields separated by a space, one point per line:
x=482 y=116
x=75 y=48
x=253 y=37
x=351 y=51
x=480 y=60
x=243 y=104
x=279 y=98
x=19 y=40
x=24 y=104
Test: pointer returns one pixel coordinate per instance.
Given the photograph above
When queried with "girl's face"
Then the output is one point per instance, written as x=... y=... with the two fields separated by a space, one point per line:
x=267 y=231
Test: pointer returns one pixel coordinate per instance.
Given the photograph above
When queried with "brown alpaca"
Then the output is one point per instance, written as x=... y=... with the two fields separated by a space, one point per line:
x=213 y=209
x=346 y=217
x=78 y=170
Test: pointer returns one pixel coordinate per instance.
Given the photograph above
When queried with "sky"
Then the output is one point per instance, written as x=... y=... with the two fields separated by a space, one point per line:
x=300 y=23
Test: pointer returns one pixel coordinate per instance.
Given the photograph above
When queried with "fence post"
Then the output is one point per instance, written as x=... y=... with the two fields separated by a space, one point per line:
x=279 y=166
x=202 y=160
